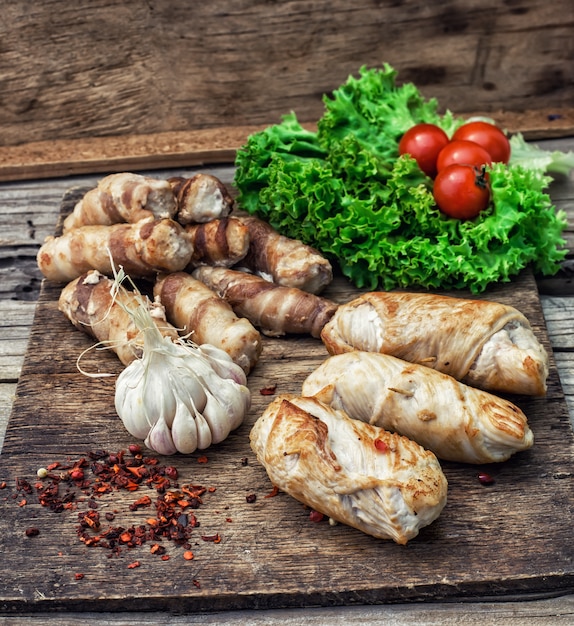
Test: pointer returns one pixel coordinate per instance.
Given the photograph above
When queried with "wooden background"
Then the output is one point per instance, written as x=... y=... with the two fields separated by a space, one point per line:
x=511 y=540
x=70 y=70
x=94 y=86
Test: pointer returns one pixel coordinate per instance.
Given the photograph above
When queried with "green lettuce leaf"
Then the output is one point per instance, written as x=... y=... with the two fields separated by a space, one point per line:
x=531 y=156
x=346 y=191
x=377 y=112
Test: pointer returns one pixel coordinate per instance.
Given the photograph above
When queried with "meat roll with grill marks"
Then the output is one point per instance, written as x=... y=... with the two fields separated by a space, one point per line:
x=123 y=197
x=455 y=421
x=484 y=344
x=378 y=482
x=194 y=308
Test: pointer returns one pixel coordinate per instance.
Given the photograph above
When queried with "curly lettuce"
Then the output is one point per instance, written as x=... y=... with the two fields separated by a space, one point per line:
x=531 y=156
x=345 y=190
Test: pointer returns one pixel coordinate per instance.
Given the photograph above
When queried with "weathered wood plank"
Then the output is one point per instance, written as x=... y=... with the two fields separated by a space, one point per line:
x=107 y=68
x=551 y=612
x=48 y=159
x=557 y=611
x=15 y=322
x=266 y=573
x=565 y=364
x=120 y=154
x=558 y=314
x=7 y=396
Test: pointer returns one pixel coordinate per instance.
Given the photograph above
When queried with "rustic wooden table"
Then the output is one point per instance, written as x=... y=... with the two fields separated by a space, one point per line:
x=28 y=213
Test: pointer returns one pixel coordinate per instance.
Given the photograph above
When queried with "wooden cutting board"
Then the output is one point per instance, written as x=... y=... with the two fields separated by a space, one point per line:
x=512 y=539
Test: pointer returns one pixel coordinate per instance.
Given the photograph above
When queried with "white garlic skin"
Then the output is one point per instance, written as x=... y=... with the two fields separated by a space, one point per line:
x=180 y=399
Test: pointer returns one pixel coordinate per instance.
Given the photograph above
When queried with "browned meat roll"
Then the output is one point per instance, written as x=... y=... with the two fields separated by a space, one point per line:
x=143 y=249
x=455 y=421
x=484 y=344
x=90 y=304
x=194 y=308
x=379 y=482
x=275 y=309
x=282 y=260
x=123 y=197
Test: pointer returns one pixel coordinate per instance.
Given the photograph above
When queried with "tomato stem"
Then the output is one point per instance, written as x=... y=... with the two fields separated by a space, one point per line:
x=481 y=179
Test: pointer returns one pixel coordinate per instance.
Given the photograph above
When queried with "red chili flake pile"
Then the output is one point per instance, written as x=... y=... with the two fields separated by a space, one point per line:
x=78 y=485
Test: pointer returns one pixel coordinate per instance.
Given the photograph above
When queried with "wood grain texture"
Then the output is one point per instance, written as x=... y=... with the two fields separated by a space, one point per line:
x=134 y=68
x=549 y=612
x=39 y=201
x=511 y=540
x=69 y=157
x=193 y=148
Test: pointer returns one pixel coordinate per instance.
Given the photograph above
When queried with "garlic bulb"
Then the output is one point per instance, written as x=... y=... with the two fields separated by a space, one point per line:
x=179 y=396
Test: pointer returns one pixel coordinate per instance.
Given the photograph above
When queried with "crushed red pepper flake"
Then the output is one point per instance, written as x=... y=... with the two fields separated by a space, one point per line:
x=485 y=479
x=268 y=391
x=79 y=485
x=273 y=492
x=78 y=576
x=144 y=501
x=381 y=446
x=202 y=459
x=158 y=549
x=77 y=474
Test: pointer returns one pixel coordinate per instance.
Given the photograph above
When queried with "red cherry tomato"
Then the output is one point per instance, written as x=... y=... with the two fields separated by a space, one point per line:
x=423 y=142
x=463 y=153
x=461 y=191
x=490 y=137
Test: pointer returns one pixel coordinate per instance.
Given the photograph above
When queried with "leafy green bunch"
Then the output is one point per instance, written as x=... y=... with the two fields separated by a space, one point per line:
x=345 y=190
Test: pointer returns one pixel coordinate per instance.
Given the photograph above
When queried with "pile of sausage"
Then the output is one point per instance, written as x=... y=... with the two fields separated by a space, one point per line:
x=222 y=277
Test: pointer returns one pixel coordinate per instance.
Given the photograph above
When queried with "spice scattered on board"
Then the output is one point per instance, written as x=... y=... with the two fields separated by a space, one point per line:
x=485 y=479
x=268 y=391
x=79 y=485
